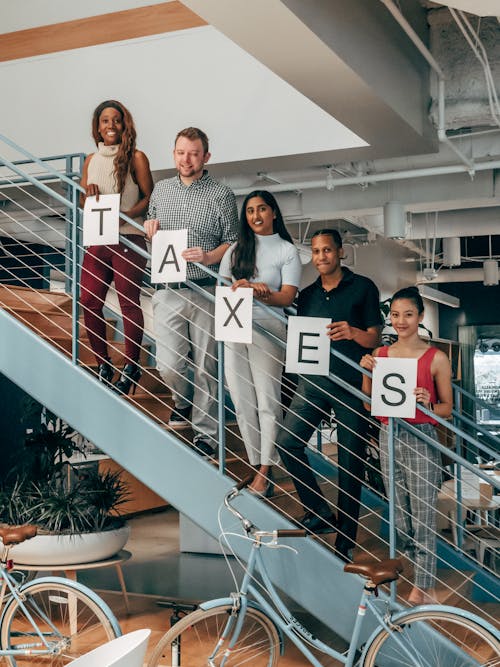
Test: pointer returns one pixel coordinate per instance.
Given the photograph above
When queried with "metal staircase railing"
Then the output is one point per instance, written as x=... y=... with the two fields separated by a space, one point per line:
x=66 y=232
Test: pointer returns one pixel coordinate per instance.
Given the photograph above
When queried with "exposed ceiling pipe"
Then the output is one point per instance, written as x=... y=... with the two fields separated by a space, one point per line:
x=442 y=136
x=376 y=178
x=472 y=275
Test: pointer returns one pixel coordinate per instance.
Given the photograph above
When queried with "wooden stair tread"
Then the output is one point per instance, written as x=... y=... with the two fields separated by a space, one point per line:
x=44 y=300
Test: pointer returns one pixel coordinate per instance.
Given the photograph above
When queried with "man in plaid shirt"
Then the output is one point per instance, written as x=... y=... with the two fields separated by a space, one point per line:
x=183 y=319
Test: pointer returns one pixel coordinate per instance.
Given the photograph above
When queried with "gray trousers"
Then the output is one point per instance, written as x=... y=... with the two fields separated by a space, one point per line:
x=417 y=474
x=253 y=376
x=186 y=353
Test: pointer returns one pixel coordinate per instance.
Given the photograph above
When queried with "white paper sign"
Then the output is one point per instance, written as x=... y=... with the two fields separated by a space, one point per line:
x=101 y=220
x=233 y=314
x=167 y=263
x=308 y=346
x=393 y=383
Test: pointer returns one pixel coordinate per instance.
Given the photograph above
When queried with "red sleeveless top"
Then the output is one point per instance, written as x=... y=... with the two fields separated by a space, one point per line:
x=424 y=379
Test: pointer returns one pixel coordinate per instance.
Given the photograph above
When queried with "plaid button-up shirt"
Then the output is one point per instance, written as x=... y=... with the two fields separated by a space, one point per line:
x=206 y=208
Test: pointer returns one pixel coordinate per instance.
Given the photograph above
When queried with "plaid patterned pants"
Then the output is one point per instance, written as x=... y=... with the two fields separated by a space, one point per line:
x=417 y=473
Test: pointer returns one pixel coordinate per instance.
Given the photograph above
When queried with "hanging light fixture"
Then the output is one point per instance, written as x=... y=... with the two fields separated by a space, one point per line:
x=490 y=268
x=451 y=251
x=394 y=220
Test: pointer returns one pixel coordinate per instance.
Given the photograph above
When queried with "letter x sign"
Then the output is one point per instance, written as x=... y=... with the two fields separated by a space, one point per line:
x=393 y=383
x=233 y=314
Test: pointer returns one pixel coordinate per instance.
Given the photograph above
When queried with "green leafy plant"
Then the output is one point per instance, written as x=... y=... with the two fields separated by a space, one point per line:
x=47 y=489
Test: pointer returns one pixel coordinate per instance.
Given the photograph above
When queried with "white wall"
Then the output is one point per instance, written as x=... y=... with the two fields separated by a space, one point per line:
x=169 y=81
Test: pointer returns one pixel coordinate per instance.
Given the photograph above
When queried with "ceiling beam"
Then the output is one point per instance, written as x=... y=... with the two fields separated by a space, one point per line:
x=348 y=56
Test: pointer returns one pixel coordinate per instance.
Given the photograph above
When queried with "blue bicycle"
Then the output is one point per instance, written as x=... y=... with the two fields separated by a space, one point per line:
x=48 y=621
x=248 y=627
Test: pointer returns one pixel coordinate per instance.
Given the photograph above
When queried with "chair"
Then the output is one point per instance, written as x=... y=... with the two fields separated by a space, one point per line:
x=488 y=539
x=125 y=651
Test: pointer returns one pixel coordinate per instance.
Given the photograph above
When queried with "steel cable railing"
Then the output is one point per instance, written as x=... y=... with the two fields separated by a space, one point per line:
x=324 y=479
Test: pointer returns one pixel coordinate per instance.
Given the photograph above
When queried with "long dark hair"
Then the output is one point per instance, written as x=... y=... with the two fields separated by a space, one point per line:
x=243 y=255
x=126 y=149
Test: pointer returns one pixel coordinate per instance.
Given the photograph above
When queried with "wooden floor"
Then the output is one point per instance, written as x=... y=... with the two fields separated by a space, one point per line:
x=145 y=613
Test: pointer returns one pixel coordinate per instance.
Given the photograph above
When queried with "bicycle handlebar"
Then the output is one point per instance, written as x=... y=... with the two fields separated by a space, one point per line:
x=248 y=526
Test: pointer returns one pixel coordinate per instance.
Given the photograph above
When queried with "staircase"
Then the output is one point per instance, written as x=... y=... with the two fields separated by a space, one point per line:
x=37 y=353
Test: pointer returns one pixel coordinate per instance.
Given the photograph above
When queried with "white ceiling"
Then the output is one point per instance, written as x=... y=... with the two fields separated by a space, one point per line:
x=478 y=7
x=296 y=95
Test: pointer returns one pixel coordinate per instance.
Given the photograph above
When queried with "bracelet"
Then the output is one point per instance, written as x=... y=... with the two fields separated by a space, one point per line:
x=431 y=407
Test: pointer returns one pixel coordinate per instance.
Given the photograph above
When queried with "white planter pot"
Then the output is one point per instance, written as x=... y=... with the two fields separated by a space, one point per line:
x=70 y=549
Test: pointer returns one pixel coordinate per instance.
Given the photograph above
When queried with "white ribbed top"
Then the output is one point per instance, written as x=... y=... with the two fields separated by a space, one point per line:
x=101 y=171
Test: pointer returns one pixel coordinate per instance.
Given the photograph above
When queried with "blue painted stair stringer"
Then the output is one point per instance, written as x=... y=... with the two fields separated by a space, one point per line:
x=313 y=577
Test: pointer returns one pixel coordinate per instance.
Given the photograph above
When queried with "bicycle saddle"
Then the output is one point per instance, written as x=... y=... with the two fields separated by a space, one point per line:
x=17 y=534
x=377 y=571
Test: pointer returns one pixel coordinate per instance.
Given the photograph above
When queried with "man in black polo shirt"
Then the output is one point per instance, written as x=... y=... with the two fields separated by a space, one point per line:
x=352 y=303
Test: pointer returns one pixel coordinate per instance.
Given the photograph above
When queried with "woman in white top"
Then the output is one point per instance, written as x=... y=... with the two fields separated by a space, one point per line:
x=264 y=259
x=116 y=167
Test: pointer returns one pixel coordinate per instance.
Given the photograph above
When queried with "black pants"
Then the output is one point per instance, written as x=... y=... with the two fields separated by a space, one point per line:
x=313 y=402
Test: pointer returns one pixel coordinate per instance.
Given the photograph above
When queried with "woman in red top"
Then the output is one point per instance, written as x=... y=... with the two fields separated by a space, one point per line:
x=417 y=465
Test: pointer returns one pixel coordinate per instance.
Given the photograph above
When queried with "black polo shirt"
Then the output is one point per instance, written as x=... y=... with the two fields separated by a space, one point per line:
x=354 y=300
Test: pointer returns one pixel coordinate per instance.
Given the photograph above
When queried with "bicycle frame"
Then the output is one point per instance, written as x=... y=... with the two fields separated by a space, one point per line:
x=17 y=592
x=288 y=625
x=8 y=582
x=281 y=615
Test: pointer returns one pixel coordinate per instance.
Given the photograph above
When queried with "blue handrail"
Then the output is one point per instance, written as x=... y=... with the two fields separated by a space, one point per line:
x=72 y=205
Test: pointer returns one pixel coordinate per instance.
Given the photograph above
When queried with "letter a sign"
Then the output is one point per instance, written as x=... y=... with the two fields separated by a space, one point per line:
x=393 y=383
x=167 y=263
x=101 y=220
x=233 y=314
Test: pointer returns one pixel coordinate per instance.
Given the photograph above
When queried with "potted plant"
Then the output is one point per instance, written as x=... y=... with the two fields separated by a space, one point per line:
x=76 y=507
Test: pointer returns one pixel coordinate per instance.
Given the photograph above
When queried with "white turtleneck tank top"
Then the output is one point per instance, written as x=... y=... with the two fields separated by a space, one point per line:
x=101 y=171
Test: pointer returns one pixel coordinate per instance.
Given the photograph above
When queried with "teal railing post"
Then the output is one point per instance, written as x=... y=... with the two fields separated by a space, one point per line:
x=75 y=195
x=68 y=243
x=221 y=398
x=391 y=492
x=221 y=402
x=458 y=478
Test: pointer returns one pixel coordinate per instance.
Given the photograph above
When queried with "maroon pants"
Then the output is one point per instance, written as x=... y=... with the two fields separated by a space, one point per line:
x=102 y=265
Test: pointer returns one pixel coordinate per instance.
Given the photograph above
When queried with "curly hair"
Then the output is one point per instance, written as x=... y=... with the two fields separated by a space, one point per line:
x=123 y=160
x=243 y=255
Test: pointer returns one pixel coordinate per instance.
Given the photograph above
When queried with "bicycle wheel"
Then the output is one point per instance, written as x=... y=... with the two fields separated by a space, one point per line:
x=191 y=641
x=434 y=638
x=71 y=621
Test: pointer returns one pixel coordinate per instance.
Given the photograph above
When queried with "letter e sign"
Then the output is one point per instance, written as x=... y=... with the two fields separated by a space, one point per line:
x=393 y=383
x=308 y=346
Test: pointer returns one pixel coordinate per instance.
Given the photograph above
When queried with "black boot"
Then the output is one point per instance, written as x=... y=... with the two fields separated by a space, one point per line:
x=131 y=374
x=105 y=372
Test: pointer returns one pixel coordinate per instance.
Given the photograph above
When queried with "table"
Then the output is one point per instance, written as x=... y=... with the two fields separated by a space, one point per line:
x=483 y=504
x=70 y=570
